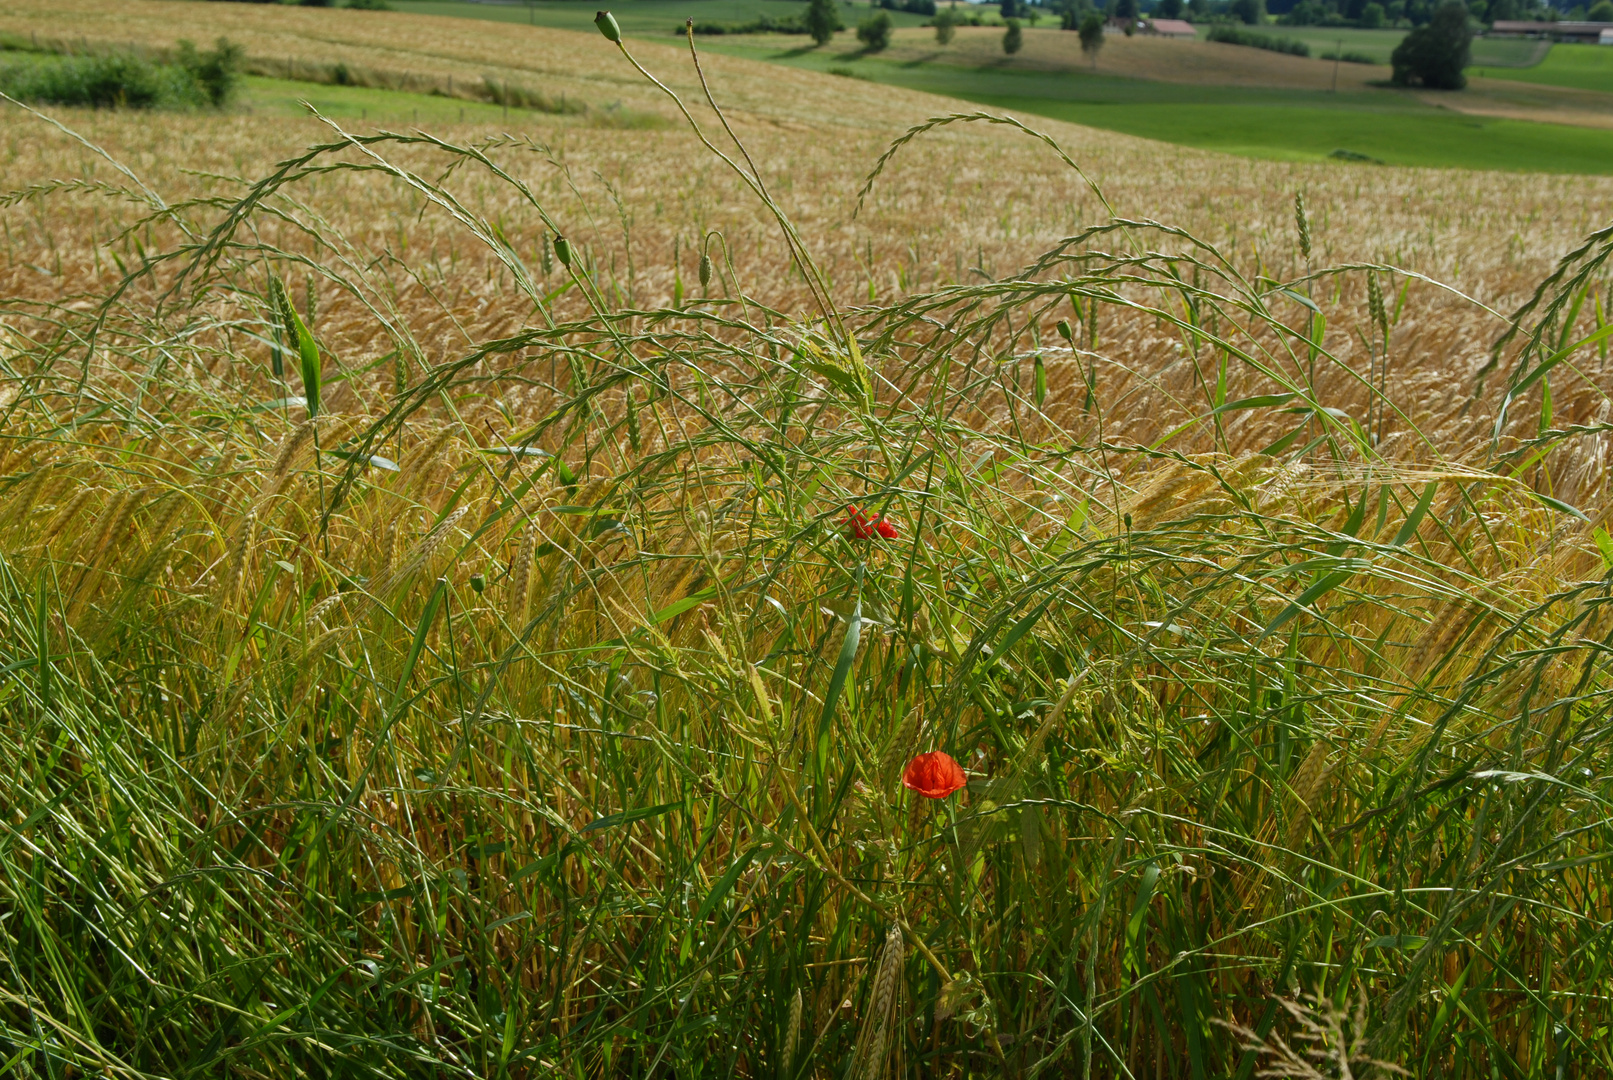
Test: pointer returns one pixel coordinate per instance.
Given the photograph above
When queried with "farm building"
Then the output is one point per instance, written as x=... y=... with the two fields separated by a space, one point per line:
x=1589 y=32
x=1176 y=28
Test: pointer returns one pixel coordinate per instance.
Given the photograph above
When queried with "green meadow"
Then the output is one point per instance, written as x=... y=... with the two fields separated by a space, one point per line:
x=1582 y=67
x=1386 y=126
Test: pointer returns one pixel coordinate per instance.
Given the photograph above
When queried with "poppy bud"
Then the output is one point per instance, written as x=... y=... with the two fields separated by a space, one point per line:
x=934 y=775
x=478 y=583
x=705 y=271
x=607 y=26
x=562 y=251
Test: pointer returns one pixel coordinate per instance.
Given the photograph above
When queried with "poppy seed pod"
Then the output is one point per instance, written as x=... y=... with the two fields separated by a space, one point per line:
x=705 y=271
x=478 y=583
x=562 y=251
x=607 y=26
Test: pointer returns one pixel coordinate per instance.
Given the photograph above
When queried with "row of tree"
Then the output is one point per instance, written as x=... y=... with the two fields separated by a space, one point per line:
x=1432 y=55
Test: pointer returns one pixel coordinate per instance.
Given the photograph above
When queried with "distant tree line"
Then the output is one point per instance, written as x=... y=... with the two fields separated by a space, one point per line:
x=1368 y=14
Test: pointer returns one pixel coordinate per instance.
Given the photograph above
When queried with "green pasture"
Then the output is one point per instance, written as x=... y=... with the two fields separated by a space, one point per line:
x=1379 y=44
x=375 y=105
x=1582 y=67
x=1390 y=126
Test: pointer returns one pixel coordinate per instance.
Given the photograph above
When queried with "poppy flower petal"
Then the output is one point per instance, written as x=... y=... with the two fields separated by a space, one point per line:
x=934 y=775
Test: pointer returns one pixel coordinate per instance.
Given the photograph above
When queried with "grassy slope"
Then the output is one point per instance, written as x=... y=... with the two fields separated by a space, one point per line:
x=1378 y=44
x=1290 y=124
x=1217 y=97
x=1583 y=67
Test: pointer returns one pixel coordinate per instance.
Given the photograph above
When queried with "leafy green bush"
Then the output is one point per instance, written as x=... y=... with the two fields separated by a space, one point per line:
x=118 y=80
x=124 y=80
x=1252 y=12
x=946 y=25
x=1602 y=12
x=1013 y=37
x=1348 y=57
x=1232 y=35
x=217 y=74
x=822 y=20
x=1092 y=36
x=875 y=31
x=766 y=24
x=1434 y=55
x=369 y=5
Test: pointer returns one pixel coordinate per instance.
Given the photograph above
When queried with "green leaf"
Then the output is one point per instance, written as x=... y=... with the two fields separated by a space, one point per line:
x=1352 y=524
x=1020 y=629
x=1406 y=942
x=1409 y=529
x=1285 y=442
x=1259 y=401
x=309 y=352
x=1041 y=380
x=1604 y=544
x=418 y=646
x=625 y=817
x=1560 y=506
x=1318 y=588
x=720 y=887
x=1139 y=905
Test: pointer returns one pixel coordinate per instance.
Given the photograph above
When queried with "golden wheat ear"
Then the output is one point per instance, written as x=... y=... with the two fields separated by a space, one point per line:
x=792 y=1037
x=879 y=1019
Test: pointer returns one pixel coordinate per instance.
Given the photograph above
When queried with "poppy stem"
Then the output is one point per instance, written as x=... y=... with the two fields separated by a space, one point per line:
x=828 y=868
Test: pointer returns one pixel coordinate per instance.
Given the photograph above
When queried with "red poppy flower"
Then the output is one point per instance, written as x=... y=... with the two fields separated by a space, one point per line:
x=859 y=526
x=934 y=775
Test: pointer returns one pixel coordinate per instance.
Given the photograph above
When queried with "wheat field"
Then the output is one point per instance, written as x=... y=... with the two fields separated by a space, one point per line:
x=429 y=650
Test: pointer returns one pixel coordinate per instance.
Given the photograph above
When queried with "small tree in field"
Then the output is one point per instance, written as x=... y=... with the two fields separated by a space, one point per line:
x=1434 y=55
x=875 y=31
x=822 y=20
x=1013 y=38
x=1092 y=36
x=946 y=24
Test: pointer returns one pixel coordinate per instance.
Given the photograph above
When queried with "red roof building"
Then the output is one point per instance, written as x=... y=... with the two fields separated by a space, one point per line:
x=1176 y=28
